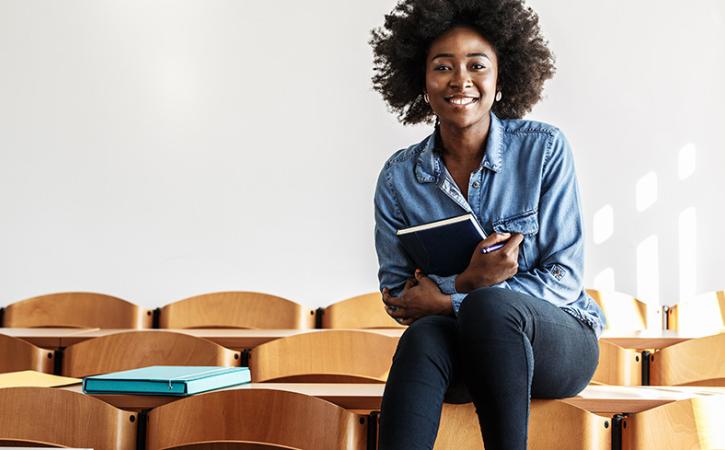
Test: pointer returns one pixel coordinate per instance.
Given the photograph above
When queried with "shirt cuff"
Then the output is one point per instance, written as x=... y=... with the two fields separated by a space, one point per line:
x=456 y=300
x=447 y=285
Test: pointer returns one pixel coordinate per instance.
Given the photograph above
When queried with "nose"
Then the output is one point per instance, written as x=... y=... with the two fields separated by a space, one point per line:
x=461 y=79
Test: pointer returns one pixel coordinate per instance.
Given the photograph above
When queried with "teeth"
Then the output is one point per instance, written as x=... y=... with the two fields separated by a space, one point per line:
x=462 y=100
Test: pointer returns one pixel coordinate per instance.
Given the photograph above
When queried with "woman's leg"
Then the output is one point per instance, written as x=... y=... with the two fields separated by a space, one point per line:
x=517 y=346
x=423 y=368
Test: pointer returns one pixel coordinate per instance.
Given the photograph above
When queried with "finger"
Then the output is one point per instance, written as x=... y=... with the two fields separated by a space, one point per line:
x=419 y=275
x=409 y=283
x=389 y=300
x=494 y=238
x=397 y=313
x=513 y=242
x=426 y=283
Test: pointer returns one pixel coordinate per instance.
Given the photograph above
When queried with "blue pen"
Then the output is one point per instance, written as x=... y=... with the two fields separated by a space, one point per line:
x=492 y=248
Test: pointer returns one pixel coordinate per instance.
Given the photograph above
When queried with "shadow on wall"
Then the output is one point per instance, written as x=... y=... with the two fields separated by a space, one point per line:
x=679 y=233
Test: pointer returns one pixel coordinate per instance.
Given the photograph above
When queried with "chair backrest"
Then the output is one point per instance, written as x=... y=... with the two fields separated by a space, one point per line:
x=222 y=445
x=325 y=356
x=236 y=310
x=17 y=354
x=618 y=366
x=255 y=416
x=57 y=417
x=229 y=446
x=76 y=310
x=704 y=313
x=697 y=362
x=362 y=311
x=553 y=424
x=623 y=312
x=695 y=423
x=135 y=349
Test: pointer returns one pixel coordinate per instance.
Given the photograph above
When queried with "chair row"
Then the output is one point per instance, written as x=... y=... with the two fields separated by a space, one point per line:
x=337 y=356
x=705 y=312
x=236 y=309
x=267 y=419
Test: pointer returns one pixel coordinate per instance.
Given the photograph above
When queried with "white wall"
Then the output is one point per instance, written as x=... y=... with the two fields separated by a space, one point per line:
x=159 y=149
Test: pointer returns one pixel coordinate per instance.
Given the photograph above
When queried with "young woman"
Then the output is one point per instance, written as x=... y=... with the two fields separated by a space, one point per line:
x=516 y=322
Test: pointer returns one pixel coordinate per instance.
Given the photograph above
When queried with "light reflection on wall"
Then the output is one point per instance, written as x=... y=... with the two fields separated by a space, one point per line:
x=646 y=191
x=604 y=280
x=686 y=161
x=648 y=251
x=648 y=271
x=687 y=225
x=603 y=224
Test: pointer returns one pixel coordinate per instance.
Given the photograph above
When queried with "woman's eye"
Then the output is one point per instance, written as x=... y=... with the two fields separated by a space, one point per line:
x=441 y=68
x=477 y=66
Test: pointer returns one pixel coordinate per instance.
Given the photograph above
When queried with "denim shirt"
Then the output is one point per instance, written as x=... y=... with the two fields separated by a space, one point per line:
x=526 y=184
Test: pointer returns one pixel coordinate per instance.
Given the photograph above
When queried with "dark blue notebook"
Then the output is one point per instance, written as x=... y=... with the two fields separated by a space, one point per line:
x=443 y=247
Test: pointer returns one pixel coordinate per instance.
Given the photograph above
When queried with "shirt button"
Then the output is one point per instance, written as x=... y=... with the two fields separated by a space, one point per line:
x=476 y=184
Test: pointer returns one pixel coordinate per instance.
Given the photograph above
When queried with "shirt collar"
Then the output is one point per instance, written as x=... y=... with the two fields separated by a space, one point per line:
x=429 y=167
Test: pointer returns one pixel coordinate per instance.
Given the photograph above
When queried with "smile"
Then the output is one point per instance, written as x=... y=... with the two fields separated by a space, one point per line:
x=461 y=101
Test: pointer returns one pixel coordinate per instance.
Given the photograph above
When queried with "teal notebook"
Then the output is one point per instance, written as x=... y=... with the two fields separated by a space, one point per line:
x=166 y=380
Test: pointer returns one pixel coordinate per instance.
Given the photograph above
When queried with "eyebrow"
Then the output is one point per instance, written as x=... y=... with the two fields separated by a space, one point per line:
x=468 y=55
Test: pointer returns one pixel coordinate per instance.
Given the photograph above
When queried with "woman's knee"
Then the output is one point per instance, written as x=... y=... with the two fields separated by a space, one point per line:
x=431 y=336
x=489 y=305
x=491 y=311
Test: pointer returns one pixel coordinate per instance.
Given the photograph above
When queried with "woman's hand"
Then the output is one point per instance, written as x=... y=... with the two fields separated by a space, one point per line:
x=420 y=297
x=486 y=269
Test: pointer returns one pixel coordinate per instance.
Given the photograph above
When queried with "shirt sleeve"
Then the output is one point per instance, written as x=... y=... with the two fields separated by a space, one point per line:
x=447 y=285
x=557 y=277
x=395 y=267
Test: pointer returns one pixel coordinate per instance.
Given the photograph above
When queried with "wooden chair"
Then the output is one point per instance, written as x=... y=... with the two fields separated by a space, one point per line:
x=362 y=311
x=553 y=425
x=259 y=418
x=618 y=366
x=236 y=310
x=692 y=424
x=624 y=312
x=17 y=354
x=704 y=313
x=325 y=356
x=76 y=310
x=697 y=362
x=56 y=417
x=134 y=349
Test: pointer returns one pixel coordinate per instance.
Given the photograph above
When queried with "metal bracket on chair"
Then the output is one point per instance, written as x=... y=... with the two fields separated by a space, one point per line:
x=141 y=429
x=58 y=361
x=245 y=357
x=319 y=312
x=618 y=423
x=645 y=367
x=155 y=318
x=665 y=317
x=373 y=430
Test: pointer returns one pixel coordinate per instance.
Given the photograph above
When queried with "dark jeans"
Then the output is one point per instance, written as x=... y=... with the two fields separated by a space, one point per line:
x=503 y=348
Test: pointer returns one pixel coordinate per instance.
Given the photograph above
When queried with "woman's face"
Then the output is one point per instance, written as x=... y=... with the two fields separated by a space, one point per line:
x=460 y=77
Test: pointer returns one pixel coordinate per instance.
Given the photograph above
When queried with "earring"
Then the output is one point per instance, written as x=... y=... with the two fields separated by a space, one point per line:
x=498 y=96
x=425 y=97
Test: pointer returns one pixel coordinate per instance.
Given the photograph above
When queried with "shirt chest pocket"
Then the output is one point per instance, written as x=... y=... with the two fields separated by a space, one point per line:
x=526 y=224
